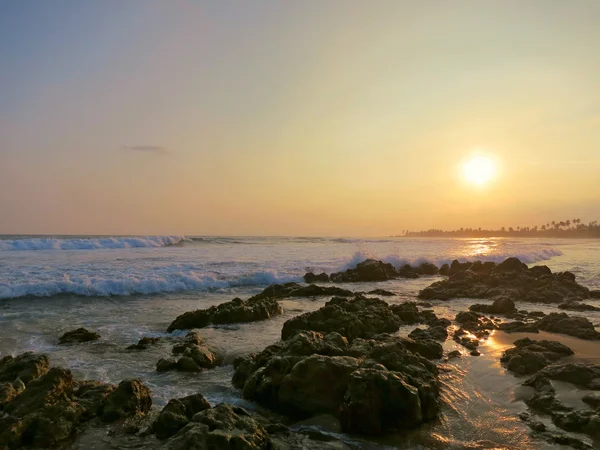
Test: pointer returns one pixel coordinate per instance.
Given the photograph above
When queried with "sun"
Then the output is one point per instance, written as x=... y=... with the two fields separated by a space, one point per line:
x=478 y=170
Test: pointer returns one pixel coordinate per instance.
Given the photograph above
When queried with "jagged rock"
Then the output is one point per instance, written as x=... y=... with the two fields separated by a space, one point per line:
x=353 y=318
x=434 y=333
x=529 y=356
x=233 y=311
x=367 y=271
x=573 y=326
x=510 y=279
x=177 y=414
x=223 y=427
x=426 y=268
x=518 y=327
x=131 y=397
x=592 y=399
x=91 y=395
x=195 y=356
x=26 y=367
x=166 y=364
x=78 y=335
x=580 y=374
x=144 y=343
x=312 y=278
x=311 y=373
x=499 y=306
x=406 y=271
x=8 y=391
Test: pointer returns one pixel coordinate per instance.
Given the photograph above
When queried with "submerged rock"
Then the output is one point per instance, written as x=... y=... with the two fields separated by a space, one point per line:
x=78 y=335
x=234 y=311
x=358 y=317
x=529 y=356
x=195 y=356
x=144 y=343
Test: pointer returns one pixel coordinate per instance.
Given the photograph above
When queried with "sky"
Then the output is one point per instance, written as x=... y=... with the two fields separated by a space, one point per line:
x=338 y=117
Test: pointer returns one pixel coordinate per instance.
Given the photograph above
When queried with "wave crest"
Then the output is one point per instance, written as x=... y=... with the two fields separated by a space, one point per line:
x=89 y=244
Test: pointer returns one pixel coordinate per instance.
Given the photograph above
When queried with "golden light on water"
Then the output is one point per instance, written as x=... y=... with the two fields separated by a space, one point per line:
x=478 y=170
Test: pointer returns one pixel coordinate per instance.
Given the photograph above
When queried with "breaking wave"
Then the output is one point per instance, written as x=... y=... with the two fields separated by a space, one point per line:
x=89 y=244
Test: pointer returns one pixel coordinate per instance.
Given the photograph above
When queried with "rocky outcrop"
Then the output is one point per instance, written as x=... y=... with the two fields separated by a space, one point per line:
x=577 y=306
x=312 y=278
x=372 y=270
x=359 y=317
x=286 y=290
x=177 y=414
x=78 y=335
x=193 y=356
x=573 y=326
x=529 y=356
x=499 y=306
x=24 y=367
x=144 y=343
x=374 y=379
x=234 y=311
x=433 y=333
x=510 y=279
x=222 y=427
x=54 y=405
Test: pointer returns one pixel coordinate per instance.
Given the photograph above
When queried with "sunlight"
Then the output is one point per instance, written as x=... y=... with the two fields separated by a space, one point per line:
x=478 y=170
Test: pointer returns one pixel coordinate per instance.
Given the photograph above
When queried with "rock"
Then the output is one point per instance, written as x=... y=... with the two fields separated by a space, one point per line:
x=454 y=354
x=353 y=318
x=573 y=326
x=381 y=292
x=511 y=265
x=444 y=270
x=144 y=343
x=177 y=414
x=595 y=293
x=577 y=306
x=223 y=427
x=583 y=375
x=312 y=278
x=518 y=327
x=406 y=271
x=592 y=399
x=475 y=352
x=91 y=395
x=435 y=333
x=529 y=356
x=78 y=335
x=26 y=367
x=426 y=268
x=408 y=313
x=130 y=398
x=367 y=271
x=499 y=306
x=166 y=364
x=233 y=311
x=540 y=271
x=8 y=391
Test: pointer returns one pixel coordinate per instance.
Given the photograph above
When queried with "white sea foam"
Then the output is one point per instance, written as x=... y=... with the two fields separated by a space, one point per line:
x=88 y=244
x=130 y=285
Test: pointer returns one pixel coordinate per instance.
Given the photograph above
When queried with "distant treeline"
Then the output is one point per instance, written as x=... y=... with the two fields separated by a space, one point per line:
x=562 y=229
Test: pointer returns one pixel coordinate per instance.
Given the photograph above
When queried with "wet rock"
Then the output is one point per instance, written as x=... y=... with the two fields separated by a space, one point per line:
x=573 y=326
x=195 y=356
x=592 y=399
x=426 y=268
x=78 y=335
x=177 y=414
x=595 y=294
x=353 y=318
x=130 y=398
x=454 y=354
x=408 y=313
x=406 y=271
x=577 y=306
x=367 y=271
x=91 y=395
x=475 y=352
x=584 y=375
x=166 y=364
x=8 y=391
x=511 y=279
x=433 y=333
x=144 y=343
x=26 y=367
x=529 y=356
x=234 y=311
x=222 y=427
x=381 y=292
x=499 y=306
x=312 y=278
x=519 y=327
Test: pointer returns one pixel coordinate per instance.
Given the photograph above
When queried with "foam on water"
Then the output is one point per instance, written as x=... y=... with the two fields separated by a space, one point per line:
x=88 y=244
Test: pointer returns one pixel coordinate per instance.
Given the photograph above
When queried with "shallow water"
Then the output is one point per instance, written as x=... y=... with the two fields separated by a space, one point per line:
x=481 y=399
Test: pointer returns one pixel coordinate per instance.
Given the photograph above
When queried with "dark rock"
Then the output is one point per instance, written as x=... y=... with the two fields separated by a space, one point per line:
x=540 y=271
x=367 y=271
x=595 y=294
x=177 y=414
x=78 y=335
x=577 y=306
x=454 y=354
x=584 y=375
x=529 y=356
x=592 y=399
x=511 y=265
x=475 y=352
x=233 y=311
x=195 y=356
x=573 y=326
x=130 y=398
x=144 y=343
x=426 y=268
x=518 y=327
x=406 y=271
x=166 y=364
x=433 y=333
x=352 y=318
x=444 y=269
x=26 y=367
x=312 y=278
x=500 y=306
x=223 y=427
x=381 y=292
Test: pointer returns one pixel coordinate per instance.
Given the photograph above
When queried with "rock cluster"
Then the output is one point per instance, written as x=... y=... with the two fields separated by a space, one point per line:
x=372 y=270
x=194 y=356
x=510 y=279
x=529 y=356
x=43 y=406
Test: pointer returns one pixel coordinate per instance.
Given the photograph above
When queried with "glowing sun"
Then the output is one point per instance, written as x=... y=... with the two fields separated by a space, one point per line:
x=478 y=170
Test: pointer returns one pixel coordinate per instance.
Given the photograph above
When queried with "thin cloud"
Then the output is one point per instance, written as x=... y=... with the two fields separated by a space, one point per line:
x=157 y=149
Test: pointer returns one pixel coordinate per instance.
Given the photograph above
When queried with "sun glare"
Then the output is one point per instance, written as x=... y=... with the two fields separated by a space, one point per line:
x=478 y=170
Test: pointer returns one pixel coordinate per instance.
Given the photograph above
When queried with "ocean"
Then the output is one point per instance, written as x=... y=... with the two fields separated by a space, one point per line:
x=127 y=287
